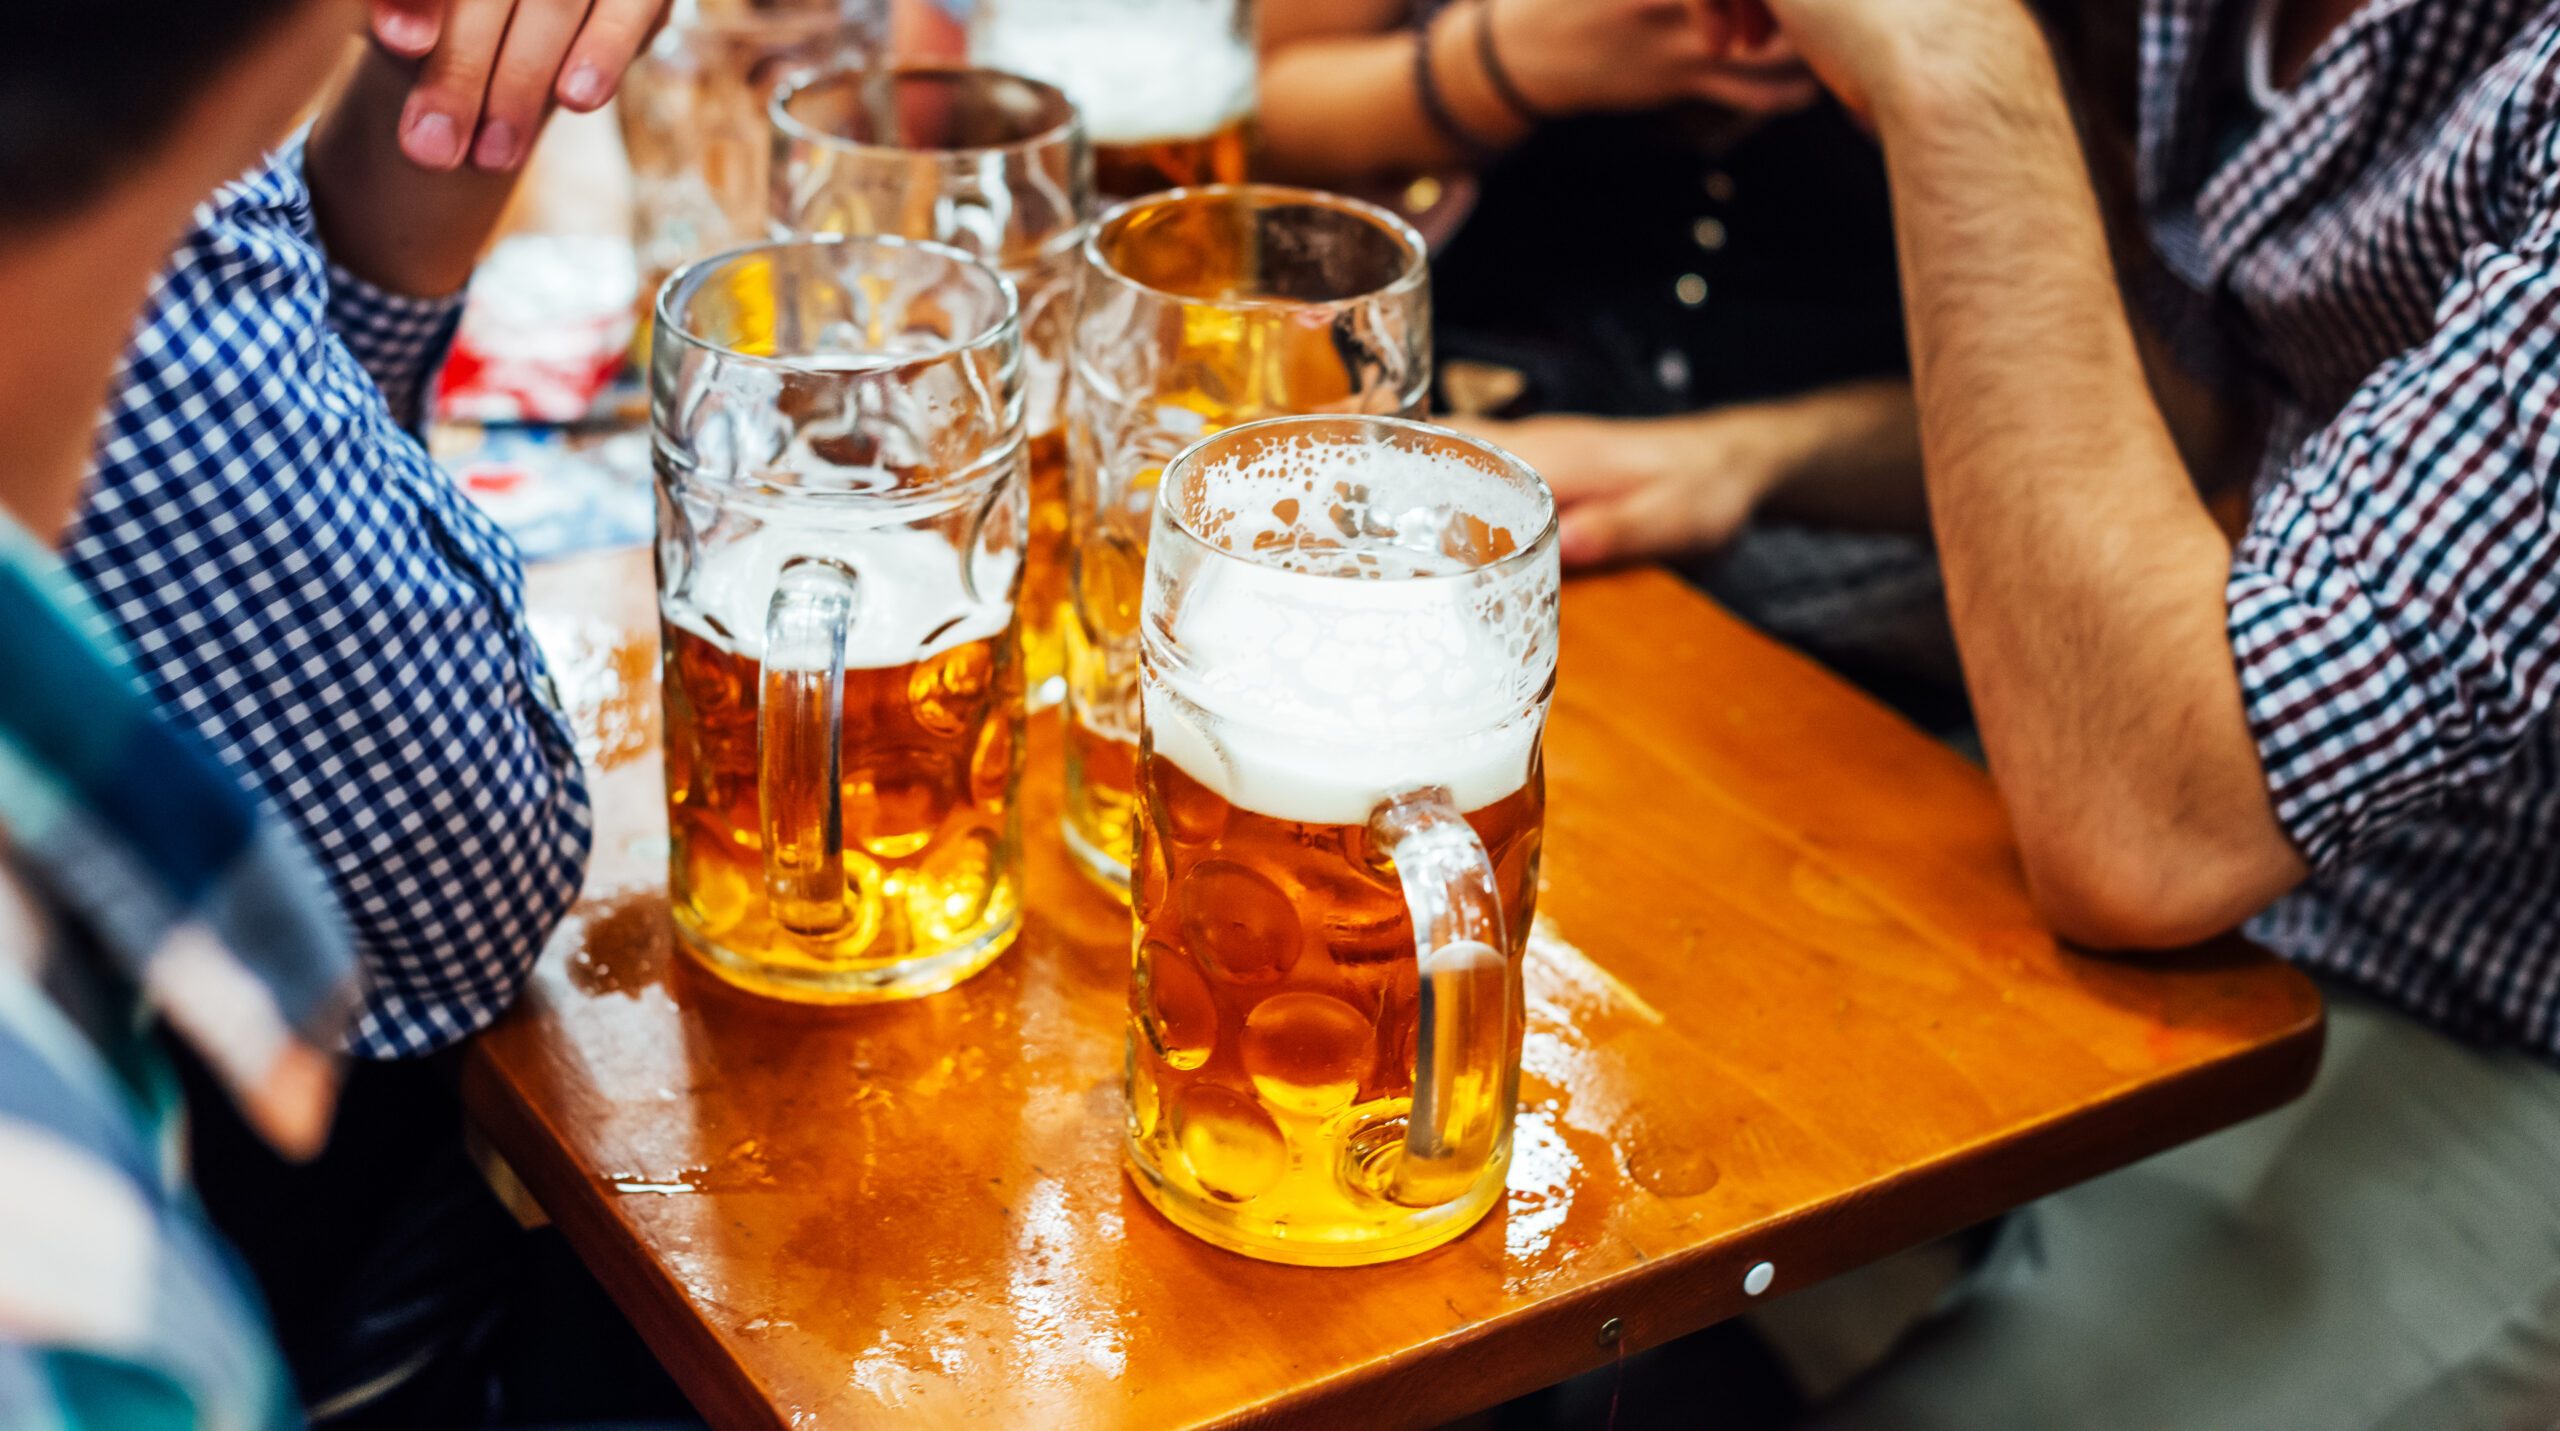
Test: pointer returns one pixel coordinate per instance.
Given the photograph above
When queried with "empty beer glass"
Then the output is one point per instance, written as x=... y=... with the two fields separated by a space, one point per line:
x=1166 y=86
x=838 y=428
x=996 y=166
x=1350 y=640
x=693 y=118
x=1202 y=309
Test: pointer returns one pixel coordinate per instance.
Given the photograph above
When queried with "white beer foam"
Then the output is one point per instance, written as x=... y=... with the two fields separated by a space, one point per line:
x=912 y=602
x=1314 y=698
x=1138 y=74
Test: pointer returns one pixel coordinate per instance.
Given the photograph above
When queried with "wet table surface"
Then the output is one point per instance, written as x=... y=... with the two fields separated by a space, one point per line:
x=1788 y=1003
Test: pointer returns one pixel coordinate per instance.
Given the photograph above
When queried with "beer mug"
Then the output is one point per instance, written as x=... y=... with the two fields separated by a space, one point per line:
x=692 y=111
x=1166 y=87
x=1202 y=309
x=1350 y=641
x=996 y=166
x=838 y=428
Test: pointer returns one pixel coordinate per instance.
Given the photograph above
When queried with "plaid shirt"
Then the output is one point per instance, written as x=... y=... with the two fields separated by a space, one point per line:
x=297 y=579
x=2382 y=252
x=140 y=886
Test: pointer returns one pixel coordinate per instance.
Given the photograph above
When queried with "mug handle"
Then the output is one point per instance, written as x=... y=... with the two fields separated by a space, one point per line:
x=1462 y=1053
x=800 y=743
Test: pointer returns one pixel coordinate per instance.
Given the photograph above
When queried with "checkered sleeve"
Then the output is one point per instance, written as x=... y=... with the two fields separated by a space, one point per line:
x=399 y=341
x=2395 y=607
x=296 y=578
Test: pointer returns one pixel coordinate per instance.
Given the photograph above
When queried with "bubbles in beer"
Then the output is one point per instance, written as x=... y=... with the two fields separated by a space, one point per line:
x=1238 y=921
x=1233 y=1148
x=1307 y=1052
x=1175 y=1009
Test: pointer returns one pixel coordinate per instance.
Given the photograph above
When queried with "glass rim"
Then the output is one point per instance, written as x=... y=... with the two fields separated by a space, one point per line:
x=1065 y=131
x=1416 y=275
x=1503 y=566
x=688 y=280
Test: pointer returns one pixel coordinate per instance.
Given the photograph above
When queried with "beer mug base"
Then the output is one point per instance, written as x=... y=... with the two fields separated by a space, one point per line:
x=884 y=982
x=1401 y=1232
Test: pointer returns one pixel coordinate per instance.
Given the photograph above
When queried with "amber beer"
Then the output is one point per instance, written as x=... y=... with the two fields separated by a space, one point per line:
x=1144 y=166
x=1044 y=560
x=927 y=755
x=1338 y=731
x=1273 y=1013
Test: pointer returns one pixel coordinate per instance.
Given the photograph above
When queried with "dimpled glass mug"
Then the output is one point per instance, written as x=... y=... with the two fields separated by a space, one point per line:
x=838 y=433
x=1348 y=646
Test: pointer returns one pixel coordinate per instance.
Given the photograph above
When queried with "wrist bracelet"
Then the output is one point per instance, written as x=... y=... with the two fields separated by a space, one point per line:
x=1435 y=108
x=1499 y=77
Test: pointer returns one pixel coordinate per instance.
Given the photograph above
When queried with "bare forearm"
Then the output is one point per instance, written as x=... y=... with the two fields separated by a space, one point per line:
x=1853 y=459
x=1339 y=109
x=406 y=229
x=2084 y=576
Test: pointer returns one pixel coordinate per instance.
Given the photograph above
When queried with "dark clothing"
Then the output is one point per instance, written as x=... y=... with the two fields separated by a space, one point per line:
x=1589 y=242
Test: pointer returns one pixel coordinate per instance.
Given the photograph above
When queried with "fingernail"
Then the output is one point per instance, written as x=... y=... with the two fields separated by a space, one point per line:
x=585 y=87
x=434 y=141
x=408 y=33
x=498 y=147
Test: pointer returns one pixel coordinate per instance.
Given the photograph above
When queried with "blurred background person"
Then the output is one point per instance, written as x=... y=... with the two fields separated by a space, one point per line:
x=1674 y=292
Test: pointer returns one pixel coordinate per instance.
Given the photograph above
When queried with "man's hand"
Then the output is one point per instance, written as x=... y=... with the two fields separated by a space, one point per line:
x=1865 y=50
x=1635 y=489
x=489 y=70
x=1647 y=489
x=1585 y=56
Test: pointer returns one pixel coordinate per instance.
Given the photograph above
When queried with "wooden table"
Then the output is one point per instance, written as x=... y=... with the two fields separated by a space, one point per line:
x=1788 y=1004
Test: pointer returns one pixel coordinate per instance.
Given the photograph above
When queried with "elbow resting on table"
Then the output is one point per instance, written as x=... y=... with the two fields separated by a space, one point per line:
x=2164 y=893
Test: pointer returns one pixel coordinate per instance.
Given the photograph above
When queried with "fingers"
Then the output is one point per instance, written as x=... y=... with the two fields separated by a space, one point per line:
x=1775 y=89
x=614 y=32
x=442 y=115
x=1596 y=534
x=407 y=28
x=537 y=40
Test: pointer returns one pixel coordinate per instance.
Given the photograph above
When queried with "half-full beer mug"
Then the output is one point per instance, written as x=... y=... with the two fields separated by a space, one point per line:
x=1349 y=641
x=996 y=166
x=838 y=429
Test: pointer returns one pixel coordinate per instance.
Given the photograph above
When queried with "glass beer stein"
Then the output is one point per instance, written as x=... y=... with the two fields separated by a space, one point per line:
x=1350 y=641
x=1166 y=87
x=692 y=111
x=838 y=428
x=1202 y=309
x=996 y=166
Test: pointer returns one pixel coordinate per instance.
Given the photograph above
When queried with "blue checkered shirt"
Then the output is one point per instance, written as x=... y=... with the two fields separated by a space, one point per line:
x=295 y=577
x=2382 y=252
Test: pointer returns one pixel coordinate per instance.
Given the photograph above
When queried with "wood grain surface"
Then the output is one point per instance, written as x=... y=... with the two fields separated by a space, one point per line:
x=1788 y=1003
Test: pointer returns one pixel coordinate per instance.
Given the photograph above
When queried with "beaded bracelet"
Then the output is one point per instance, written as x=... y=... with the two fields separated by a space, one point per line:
x=1426 y=88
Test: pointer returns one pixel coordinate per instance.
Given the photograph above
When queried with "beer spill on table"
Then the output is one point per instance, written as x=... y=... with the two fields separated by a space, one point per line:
x=932 y=732
x=1167 y=95
x=1275 y=1005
